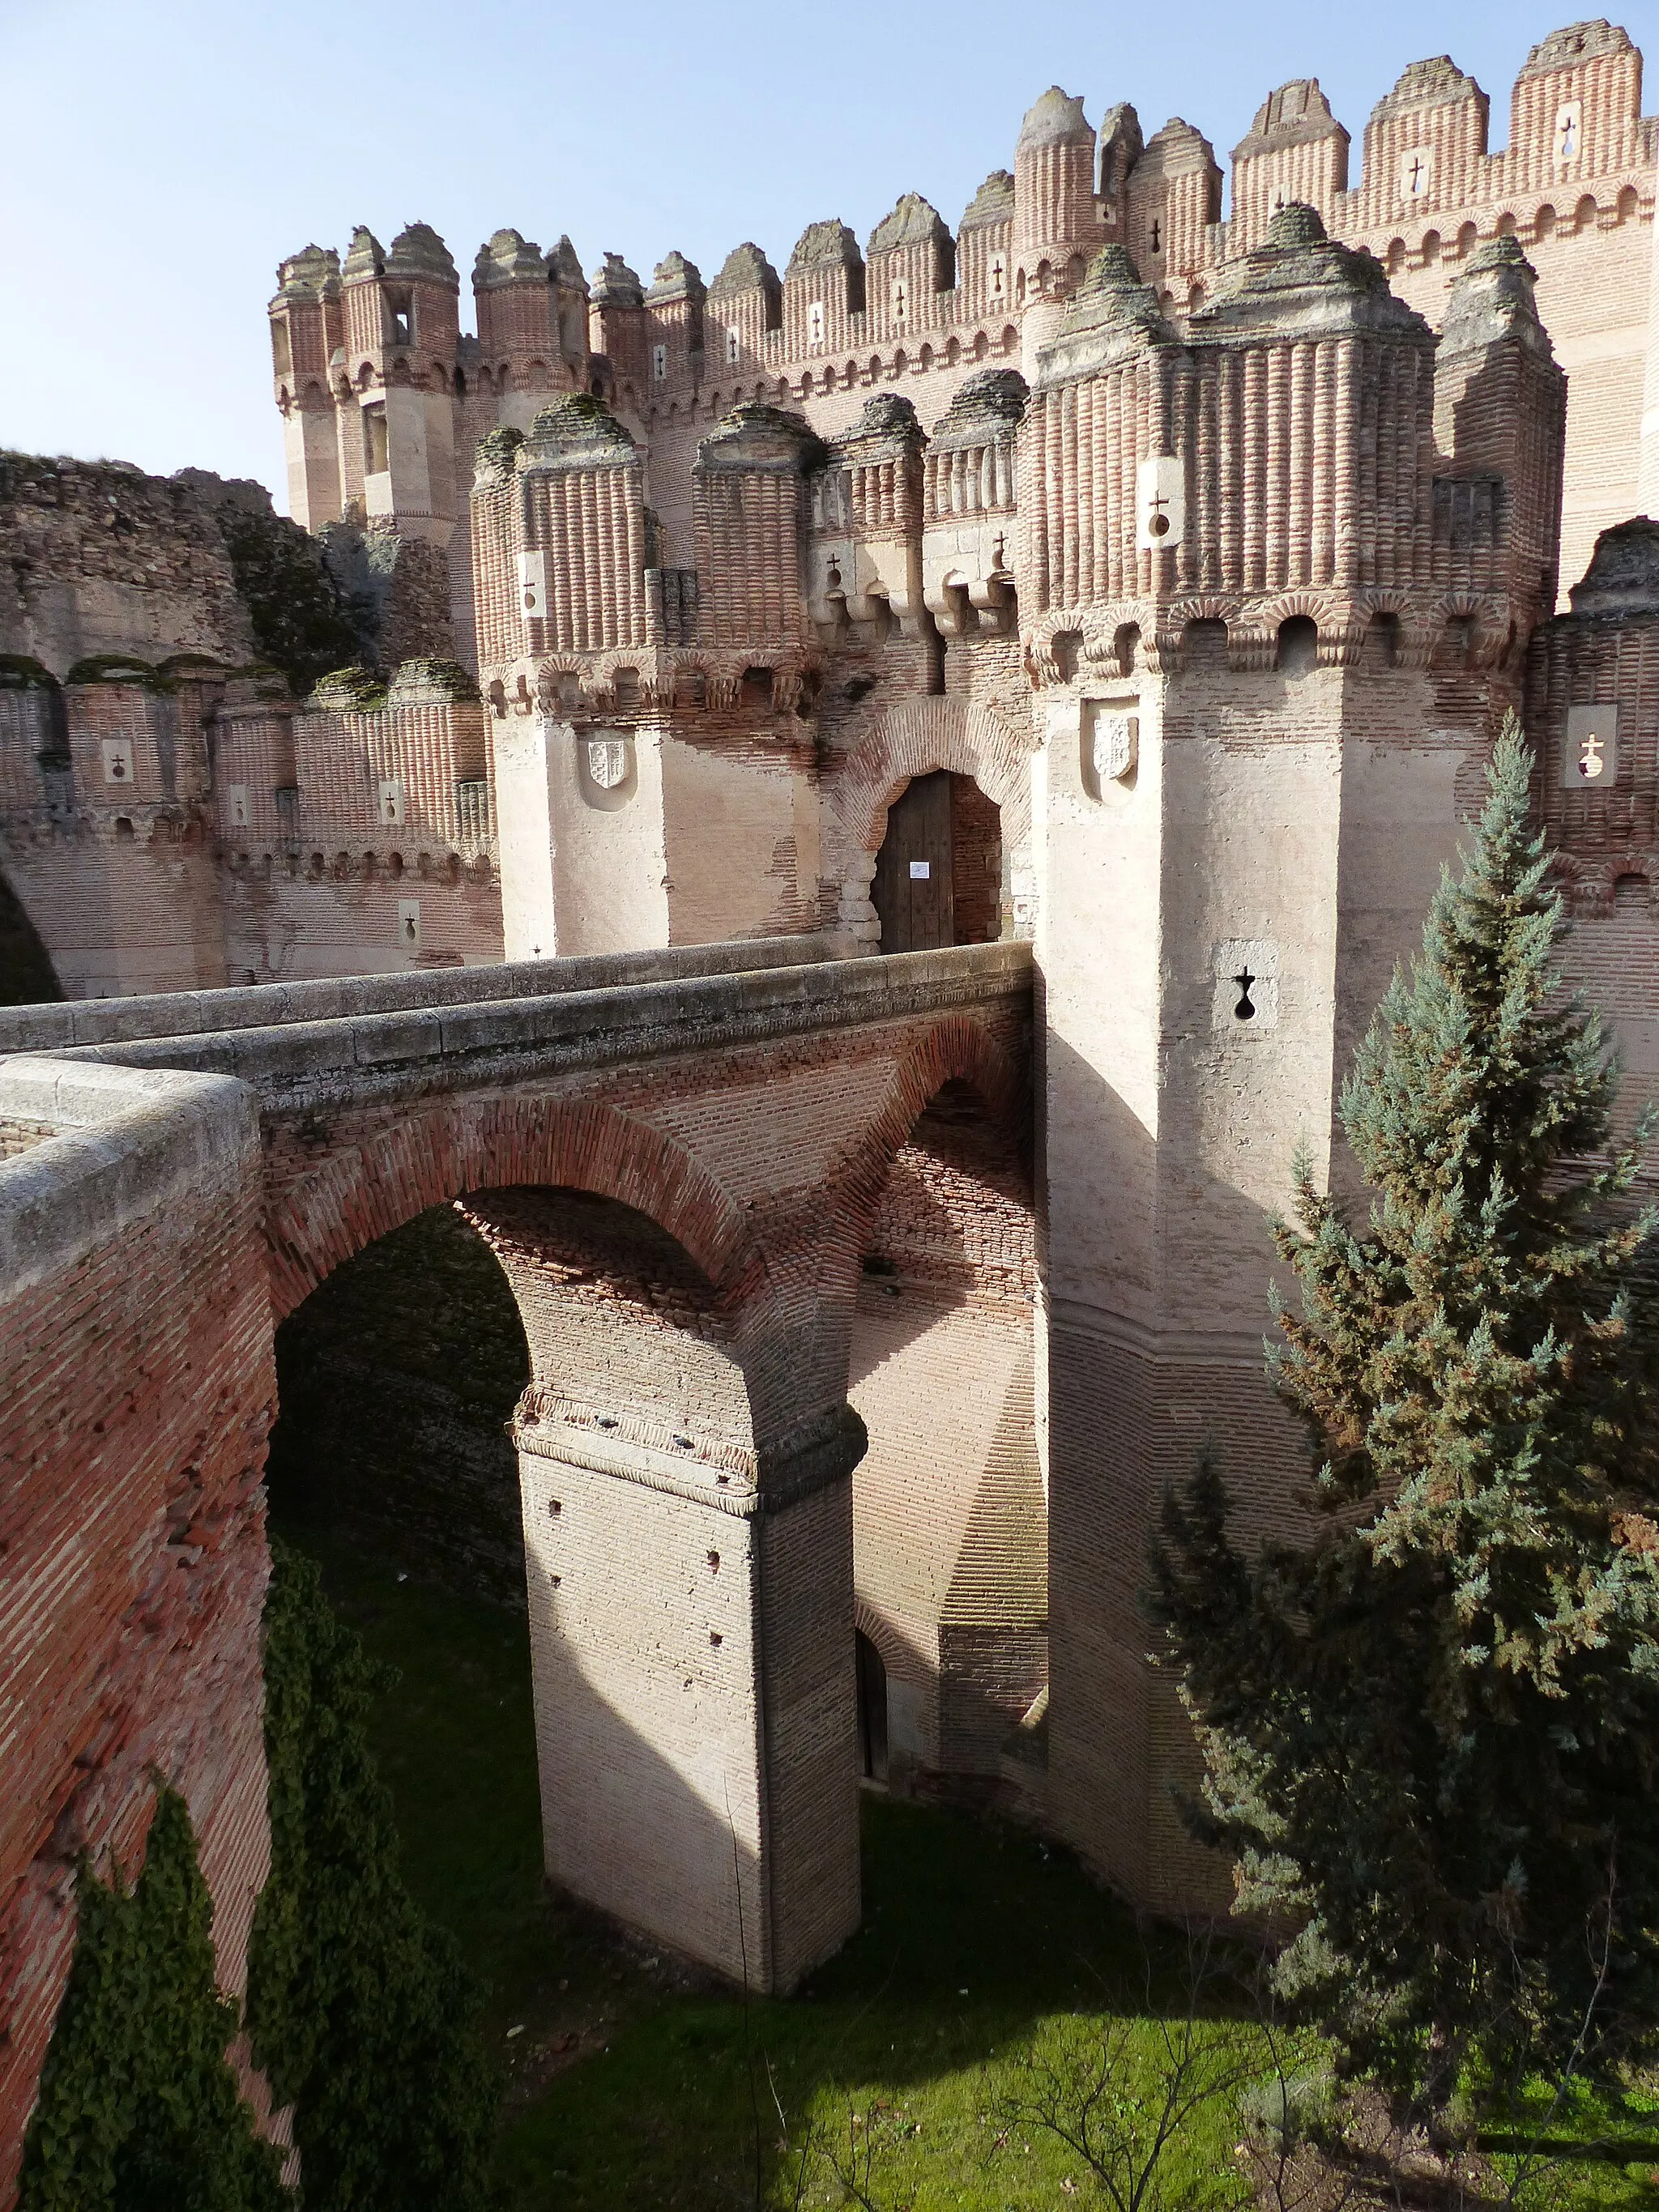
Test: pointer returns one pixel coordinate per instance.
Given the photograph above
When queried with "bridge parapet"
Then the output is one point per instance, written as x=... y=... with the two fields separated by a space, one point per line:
x=136 y=1373
x=414 y=1050
x=264 y=1005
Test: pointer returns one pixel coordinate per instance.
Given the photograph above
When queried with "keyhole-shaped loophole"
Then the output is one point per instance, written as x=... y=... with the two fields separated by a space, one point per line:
x=1245 y=1010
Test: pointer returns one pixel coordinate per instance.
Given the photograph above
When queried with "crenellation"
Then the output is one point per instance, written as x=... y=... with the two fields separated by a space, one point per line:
x=1172 y=204
x=985 y=280
x=823 y=294
x=1294 y=151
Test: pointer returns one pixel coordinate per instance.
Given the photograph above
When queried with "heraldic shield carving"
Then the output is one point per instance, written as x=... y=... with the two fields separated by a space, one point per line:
x=607 y=762
x=1117 y=746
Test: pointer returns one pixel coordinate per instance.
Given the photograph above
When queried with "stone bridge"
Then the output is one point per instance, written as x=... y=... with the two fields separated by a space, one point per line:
x=678 y=1159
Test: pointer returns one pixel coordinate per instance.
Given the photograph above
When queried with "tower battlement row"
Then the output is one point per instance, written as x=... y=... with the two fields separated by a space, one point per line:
x=1301 y=446
x=385 y=399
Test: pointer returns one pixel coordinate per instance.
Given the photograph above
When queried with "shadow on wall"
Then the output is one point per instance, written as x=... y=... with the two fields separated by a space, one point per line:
x=397 y=1376
x=397 y=1379
x=27 y=975
x=1181 y=1253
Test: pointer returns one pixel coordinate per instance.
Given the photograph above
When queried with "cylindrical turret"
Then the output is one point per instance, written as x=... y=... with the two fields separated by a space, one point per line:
x=617 y=325
x=1056 y=221
x=421 y=293
x=306 y=330
x=746 y=302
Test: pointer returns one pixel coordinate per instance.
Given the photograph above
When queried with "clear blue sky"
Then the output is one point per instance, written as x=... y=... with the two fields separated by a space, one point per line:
x=158 y=157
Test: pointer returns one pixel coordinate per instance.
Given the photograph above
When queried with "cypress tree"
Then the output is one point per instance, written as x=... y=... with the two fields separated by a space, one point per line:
x=138 y=2110
x=361 y=2009
x=1430 y=1724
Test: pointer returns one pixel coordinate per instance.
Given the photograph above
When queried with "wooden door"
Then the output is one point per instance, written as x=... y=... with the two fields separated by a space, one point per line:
x=912 y=890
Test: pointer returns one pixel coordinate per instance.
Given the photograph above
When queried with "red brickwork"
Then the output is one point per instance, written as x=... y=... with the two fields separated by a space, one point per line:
x=687 y=1417
x=139 y=1387
x=951 y=1537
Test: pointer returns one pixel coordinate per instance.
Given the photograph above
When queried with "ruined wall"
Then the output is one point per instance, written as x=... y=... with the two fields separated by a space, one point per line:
x=100 y=558
x=135 y=1346
x=163 y=824
x=103 y=833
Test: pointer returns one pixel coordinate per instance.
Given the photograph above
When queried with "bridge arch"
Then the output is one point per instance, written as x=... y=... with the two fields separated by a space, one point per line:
x=950 y=1506
x=441 y=1150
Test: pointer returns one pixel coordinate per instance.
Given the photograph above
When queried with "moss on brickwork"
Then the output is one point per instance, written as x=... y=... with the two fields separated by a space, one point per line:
x=396 y=1380
x=301 y=625
x=355 y=691
x=21 y=671
x=426 y=682
x=118 y=668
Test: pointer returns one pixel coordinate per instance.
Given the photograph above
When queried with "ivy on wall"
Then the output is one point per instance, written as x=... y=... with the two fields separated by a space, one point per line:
x=138 y=2110
x=301 y=622
x=360 y=2010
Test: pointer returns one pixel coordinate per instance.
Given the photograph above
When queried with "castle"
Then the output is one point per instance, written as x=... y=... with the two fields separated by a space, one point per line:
x=1108 y=605
x=355 y=829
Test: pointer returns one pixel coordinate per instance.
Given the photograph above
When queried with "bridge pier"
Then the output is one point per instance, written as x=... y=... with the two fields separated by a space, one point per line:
x=691 y=1594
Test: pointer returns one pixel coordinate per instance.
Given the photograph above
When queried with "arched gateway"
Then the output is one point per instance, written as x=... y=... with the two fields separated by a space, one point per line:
x=681 y=1176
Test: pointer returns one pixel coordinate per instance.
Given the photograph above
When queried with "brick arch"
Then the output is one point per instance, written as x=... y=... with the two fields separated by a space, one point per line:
x=328 y=1213
x=916 y=739
x=956 y=1049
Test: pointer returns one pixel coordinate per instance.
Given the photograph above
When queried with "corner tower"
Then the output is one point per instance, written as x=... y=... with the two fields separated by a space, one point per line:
x=1274 y=626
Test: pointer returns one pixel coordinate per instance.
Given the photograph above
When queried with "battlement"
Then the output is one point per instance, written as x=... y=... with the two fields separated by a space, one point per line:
x=385 y=402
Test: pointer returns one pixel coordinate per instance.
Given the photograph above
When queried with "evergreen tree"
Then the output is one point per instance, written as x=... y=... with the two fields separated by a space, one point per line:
x=1432 y=1725
x=138 y=2110
x=361 y=2009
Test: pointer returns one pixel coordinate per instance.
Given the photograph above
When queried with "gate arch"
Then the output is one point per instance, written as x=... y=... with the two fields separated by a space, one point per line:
x=915 y=740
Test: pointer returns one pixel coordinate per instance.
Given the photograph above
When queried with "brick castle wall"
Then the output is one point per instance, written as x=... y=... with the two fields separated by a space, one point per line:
x=139 y=1387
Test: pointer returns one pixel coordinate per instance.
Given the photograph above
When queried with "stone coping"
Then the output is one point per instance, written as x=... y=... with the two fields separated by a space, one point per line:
x=126 y=1143
x=261 y=1006
x=417 y=1051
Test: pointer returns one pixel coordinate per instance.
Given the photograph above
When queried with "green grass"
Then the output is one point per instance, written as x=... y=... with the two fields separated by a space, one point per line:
x=635 y=2083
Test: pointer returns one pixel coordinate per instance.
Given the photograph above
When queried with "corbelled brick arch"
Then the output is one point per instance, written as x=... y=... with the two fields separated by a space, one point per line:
x=914 y=739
